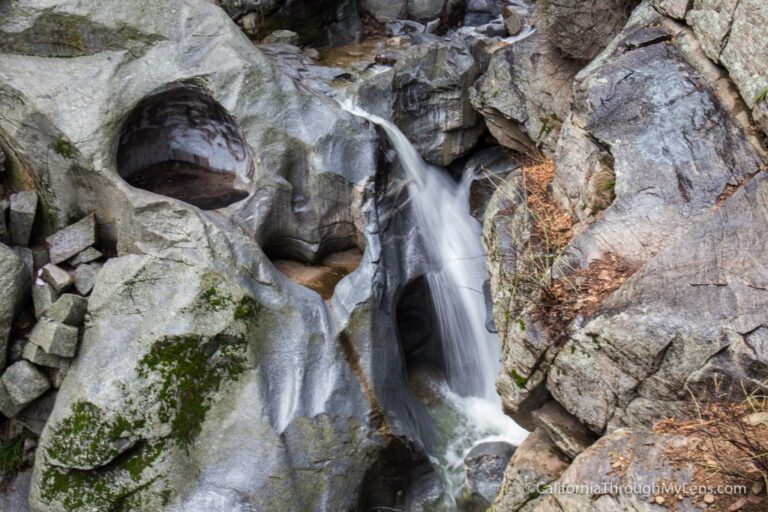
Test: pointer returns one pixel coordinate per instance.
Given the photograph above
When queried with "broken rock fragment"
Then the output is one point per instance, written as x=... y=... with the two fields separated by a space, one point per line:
x=72 y=240
x=55 y=337
x=23 y=209
x=57 y=277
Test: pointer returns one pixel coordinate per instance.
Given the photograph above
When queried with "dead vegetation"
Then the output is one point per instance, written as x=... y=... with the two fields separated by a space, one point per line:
x=731 y=449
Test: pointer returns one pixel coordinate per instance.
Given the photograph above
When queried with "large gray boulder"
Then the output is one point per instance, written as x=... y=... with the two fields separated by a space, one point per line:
x=420 y=10
x=583 y=28
x=431 y=105
x=206 y=379
x=525 y=95
x=14 y=292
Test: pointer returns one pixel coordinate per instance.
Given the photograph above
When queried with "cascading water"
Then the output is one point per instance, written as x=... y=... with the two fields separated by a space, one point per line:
x=453 y=242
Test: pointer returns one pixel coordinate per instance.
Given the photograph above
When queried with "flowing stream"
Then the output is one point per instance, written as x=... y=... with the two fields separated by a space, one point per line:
x=471 y=412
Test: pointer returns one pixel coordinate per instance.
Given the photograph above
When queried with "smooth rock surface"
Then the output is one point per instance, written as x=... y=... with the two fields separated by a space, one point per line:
x=484 y=468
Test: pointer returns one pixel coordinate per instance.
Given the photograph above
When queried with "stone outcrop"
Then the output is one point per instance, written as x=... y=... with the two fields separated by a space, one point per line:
x=431 y=105
x=583 y=28
x=735 y=35
x=525 y=95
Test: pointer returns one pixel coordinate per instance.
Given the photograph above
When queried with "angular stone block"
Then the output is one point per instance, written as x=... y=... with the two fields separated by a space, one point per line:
x=24 y=382
x=55 y=337
x=38 y=356
x=40 y=256
x=23 y=209
x=69 y=309
x=43 y=297
x=86 y=256
x=85 y=277
x=72 y=240
x=7 y=406
x=57 y=277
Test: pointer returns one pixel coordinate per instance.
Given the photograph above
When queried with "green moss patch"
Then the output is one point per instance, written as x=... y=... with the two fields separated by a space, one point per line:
x=64 y=148
x=190 y=369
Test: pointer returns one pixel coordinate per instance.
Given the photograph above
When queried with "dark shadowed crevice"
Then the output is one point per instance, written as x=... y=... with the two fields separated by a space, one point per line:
x=417 y=327
x=182 y=144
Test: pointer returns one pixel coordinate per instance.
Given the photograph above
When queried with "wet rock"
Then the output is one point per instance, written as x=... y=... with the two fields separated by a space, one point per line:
x=385 y=10
x=432 y=106
x=57 y=277
x=43 y=297
x=425 y=9
x=23 y=208
x=72 y=240
x=488 y=169
x=536 y=462
x=582 y=28
x=332 y=22
x=69 y=309
x=525 y=94
x=55 y=337
x=87 y=256
x=404 y=27
x=85 y=277
x=480 y=12
x=24 y=382
x=40 y=357
x=282 y=37
x=14 y=291
x=484 y=468
x=563 y=429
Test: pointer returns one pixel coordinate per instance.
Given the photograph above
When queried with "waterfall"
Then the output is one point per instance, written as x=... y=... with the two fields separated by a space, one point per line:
x=452 y=240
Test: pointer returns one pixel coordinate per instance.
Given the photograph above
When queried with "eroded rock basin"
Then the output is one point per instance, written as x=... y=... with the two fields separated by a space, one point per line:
x=322 y=277
x=204 y=188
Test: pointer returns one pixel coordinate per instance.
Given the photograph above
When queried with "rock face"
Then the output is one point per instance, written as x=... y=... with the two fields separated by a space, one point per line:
x=735 y=35
x=583 y=28
x=331 y=22
x=625 y=457
x=197 y=353
x=525 y=94
x=432 y=107
x=536 y=463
